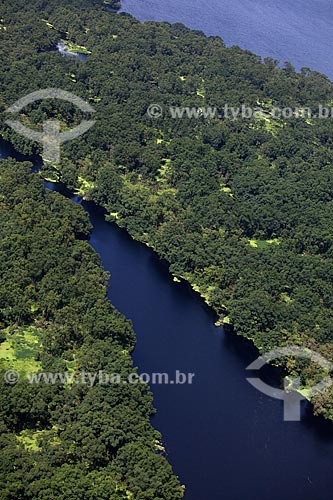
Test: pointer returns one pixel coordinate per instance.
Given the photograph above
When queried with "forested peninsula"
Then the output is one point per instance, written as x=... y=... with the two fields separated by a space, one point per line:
x=241 y=209
x=74 y=439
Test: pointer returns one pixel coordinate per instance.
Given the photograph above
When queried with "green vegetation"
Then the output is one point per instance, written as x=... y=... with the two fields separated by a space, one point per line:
x=241 y=209
x=19 y=350
x=264 y=243
x=73 y=48
x=66 y=439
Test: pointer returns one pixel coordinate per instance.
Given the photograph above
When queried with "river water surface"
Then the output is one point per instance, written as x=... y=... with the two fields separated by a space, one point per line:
x=224 y=439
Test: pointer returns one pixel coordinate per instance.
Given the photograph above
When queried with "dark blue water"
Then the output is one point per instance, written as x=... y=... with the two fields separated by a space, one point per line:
x=299 y=31
x=224 y=439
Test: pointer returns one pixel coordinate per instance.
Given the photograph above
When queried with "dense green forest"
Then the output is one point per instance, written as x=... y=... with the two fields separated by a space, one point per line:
x=240 y=209
x=66 y=440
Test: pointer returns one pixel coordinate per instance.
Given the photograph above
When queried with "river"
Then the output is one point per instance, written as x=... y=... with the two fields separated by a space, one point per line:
x=224 y=439
x=299 y=31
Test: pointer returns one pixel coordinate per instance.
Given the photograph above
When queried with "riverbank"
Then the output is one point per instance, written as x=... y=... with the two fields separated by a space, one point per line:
x=174 y=331
x=57 y=326
x=207 y=203
x=213 y=197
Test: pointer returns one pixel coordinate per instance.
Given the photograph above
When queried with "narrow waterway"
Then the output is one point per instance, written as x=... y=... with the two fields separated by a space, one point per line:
x=224 y=439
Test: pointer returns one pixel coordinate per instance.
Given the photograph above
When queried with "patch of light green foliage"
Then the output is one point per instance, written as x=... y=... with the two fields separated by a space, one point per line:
x=30 y=439
x=73 y=48
x=19 y=350
x=264 y=243
x=85 y=186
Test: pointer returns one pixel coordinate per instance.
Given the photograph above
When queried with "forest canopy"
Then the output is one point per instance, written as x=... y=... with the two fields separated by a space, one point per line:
x=66 y=439
x=241 y=209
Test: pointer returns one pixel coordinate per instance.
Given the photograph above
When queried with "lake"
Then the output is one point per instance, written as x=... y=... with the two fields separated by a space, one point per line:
x=299 y=31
